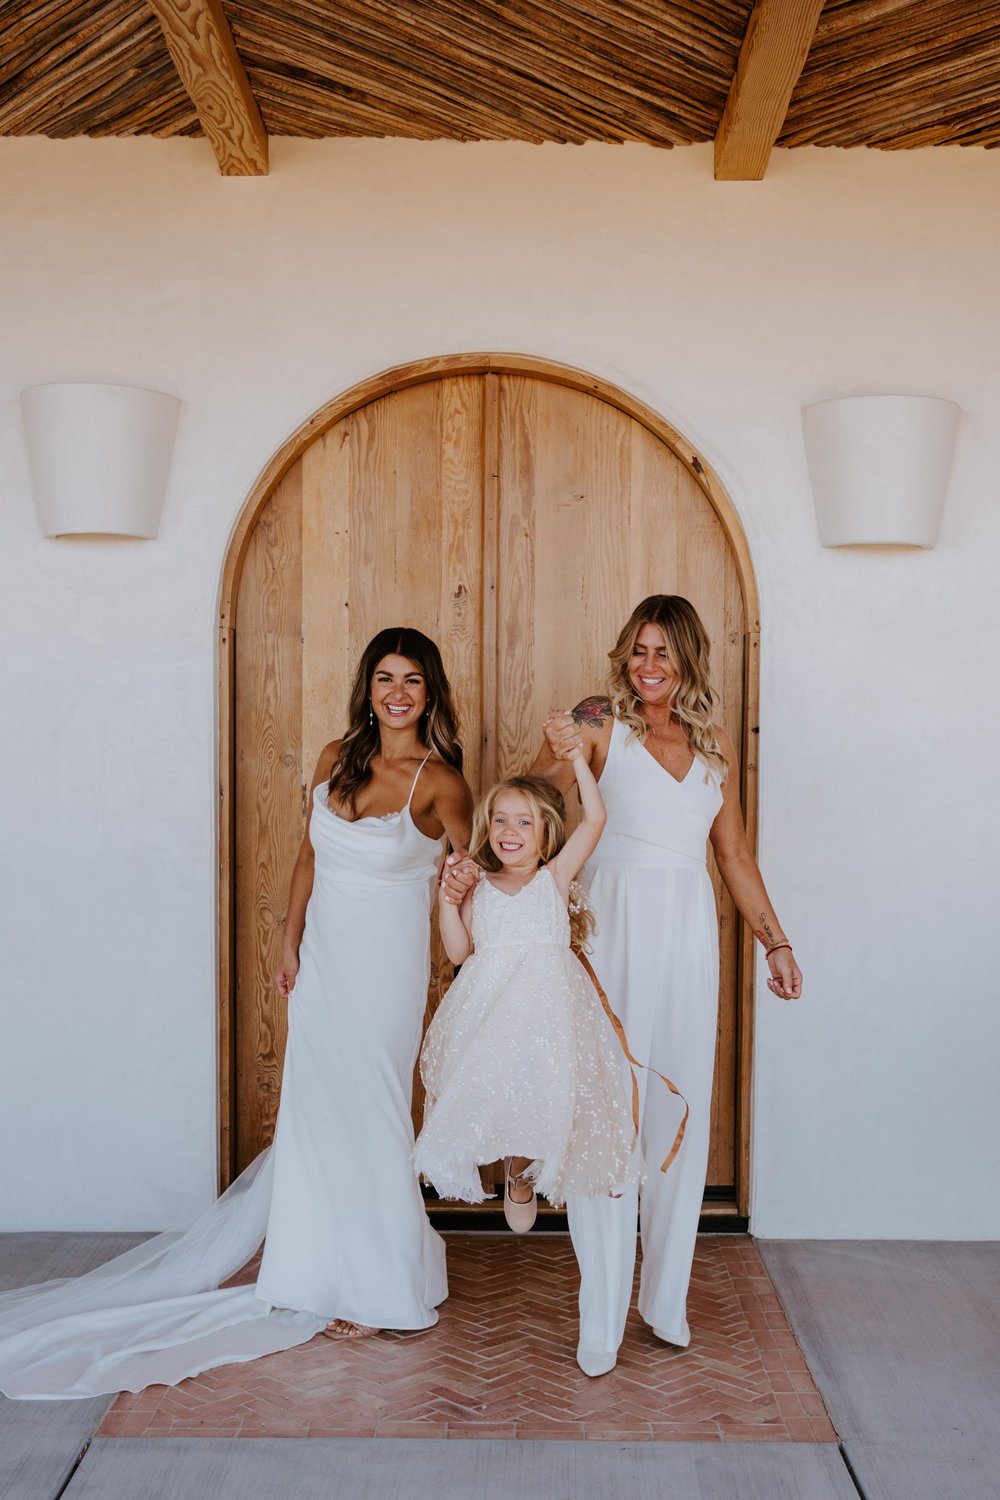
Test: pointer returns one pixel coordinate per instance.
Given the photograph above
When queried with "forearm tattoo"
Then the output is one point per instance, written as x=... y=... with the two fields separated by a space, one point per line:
x=765 y=932
x=592 y=711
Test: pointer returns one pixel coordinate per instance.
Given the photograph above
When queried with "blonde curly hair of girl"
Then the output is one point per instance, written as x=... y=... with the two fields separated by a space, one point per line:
x=548 y=812
x=696 y=702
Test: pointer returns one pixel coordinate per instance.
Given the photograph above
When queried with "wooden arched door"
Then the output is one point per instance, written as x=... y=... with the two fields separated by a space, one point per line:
x=515 y=514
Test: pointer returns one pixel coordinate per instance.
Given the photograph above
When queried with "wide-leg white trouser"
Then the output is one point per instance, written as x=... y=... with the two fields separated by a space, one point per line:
x=656 y=953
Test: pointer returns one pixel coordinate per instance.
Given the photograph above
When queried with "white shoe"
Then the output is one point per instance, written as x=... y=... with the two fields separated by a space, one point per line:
x=596 y=1362
x=679 y=1340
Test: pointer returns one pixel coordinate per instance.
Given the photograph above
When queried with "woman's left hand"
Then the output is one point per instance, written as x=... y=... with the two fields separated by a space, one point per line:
x=786 y=976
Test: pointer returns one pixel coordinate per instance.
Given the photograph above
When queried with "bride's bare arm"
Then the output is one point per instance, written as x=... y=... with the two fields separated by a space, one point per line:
x=300 y=888
x=452 y=805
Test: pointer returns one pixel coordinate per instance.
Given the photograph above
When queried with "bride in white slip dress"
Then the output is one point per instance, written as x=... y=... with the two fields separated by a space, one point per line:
x=668 y=777
x=347 y=1239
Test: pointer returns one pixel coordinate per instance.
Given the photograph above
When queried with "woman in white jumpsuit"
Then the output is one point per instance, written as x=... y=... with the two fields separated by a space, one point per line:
x=668 y=778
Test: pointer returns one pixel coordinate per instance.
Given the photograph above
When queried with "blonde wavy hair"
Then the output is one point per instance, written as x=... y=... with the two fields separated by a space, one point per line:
x=696 y=701
x=548 y=812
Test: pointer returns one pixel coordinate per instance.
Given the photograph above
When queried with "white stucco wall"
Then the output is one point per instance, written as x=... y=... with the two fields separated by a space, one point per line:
x=724 y=306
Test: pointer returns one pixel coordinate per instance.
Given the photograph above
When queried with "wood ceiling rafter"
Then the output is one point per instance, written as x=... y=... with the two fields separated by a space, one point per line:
x=885 y=74
x=775 y=47
x=201 y=44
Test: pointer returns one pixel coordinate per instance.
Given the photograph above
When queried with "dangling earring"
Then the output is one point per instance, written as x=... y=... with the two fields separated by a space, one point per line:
x=371 y=713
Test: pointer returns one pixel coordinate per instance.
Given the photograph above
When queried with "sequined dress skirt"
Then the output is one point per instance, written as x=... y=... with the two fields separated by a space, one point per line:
x=521 y=1060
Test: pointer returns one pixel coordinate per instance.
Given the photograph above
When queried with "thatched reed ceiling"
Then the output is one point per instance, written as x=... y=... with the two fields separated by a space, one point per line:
x=897 y=74
x=884 y=73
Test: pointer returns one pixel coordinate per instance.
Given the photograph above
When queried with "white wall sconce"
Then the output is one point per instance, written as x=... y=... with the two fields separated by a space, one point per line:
x=99 y=457
x=879 y=467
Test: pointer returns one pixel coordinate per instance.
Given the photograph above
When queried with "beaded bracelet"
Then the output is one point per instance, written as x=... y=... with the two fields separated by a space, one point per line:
x=776 y=947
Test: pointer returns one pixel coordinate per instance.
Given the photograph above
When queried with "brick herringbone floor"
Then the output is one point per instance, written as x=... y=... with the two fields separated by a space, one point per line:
x=500 y=1364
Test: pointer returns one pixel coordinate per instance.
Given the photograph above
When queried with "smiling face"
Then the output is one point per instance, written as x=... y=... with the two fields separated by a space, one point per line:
x=651 y=672
x=513 y=834
x=398 y=693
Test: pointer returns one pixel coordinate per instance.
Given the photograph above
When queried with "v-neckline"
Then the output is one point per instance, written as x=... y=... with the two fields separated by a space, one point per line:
x=513 y=895
x=677 y=780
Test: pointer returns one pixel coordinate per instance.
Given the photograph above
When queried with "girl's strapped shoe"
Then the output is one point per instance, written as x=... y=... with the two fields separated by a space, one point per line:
x=519 y=1216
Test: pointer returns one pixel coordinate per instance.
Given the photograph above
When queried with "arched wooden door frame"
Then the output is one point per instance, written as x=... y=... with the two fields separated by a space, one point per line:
x=397 y=379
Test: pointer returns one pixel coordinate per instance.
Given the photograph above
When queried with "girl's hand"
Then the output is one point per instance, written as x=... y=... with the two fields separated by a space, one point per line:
x=563 y=734
x=786 y=976
x=459 y=875
x=285 y=973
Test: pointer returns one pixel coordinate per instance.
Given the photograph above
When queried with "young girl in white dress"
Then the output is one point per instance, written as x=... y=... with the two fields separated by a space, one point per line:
x=520 y=1060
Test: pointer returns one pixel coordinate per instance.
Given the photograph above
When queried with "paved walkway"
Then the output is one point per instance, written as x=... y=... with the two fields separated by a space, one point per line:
x=904 y=1342
x=500 y=1364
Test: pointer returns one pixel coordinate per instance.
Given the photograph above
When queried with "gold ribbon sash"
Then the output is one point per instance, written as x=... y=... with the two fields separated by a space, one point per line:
x=633 y=1063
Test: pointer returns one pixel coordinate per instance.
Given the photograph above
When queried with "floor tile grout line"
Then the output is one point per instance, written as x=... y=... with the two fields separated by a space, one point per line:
x=74 y=1466
x=851 y=1471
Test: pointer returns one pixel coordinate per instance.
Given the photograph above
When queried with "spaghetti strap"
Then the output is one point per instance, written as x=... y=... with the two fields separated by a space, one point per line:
x=416 y=778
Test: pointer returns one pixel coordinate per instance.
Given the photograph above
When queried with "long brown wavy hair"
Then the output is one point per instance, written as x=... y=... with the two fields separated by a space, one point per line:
x=438 y=722
x=548 y=811
x=695 y=702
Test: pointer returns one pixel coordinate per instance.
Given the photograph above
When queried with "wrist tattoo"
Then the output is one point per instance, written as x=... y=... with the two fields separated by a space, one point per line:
x=765 y=932
x=592 y=711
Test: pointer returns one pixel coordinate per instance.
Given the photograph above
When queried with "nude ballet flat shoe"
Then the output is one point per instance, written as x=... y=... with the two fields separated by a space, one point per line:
x=594 y=1362
x=519 y=1216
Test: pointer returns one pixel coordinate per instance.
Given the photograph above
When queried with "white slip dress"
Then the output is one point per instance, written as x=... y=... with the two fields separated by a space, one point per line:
x=656 y=953
x=520 y=1059
x=346 y=1231
x=348 y=1235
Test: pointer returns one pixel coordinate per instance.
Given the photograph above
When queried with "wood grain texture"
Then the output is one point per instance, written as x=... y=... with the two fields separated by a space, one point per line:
x=87 y=67
x=225 y=924
x=895 y=75
x=520 y=474
x=389 y=510
x=268 y=804
x=778 y=36
x=748 y=743
x=201 y=44
x=489 y=726
x=570 y=70
x=596 y=513
x=327 y=660
x=417 y=372
x=890 y=74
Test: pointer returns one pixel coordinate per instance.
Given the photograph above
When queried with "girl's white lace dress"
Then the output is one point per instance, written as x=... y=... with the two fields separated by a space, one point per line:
x=520 y=1059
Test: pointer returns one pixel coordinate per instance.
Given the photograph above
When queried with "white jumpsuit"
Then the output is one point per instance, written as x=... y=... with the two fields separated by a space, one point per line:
x=656 y=953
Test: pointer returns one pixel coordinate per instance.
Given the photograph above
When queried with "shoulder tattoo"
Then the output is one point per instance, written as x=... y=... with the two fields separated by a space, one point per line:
x=592 y=711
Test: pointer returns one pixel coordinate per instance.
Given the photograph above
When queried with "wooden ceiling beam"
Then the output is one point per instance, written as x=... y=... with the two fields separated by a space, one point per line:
x=201 y=44
x=777 y=41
